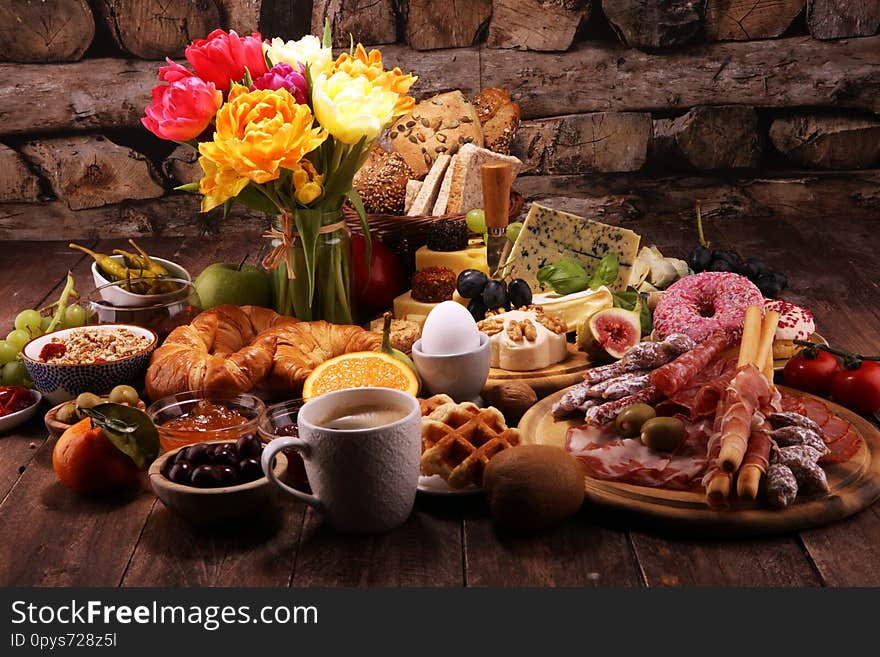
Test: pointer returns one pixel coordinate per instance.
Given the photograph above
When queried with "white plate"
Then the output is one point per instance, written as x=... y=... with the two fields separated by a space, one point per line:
x=9 y=422
x=436 y=485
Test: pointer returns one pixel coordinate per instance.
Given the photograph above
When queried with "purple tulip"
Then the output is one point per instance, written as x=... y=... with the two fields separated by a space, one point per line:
x=284 y=76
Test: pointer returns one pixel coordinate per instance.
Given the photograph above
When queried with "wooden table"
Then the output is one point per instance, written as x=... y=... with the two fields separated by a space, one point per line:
x=50 y=537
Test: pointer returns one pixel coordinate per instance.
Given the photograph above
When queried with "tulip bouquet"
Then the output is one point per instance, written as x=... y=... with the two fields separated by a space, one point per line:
x=282 y=127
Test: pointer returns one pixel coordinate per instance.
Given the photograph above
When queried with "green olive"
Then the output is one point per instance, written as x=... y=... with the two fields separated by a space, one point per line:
x=630 y=420
x=67 y=414
x=124 y=395
x=663 y=433
x=88 y=400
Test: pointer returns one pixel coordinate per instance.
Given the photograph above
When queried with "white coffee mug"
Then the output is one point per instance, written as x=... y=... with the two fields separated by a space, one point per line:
x=361 y=449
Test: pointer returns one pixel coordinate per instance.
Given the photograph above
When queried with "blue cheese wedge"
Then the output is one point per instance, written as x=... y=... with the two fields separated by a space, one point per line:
x=548 y=235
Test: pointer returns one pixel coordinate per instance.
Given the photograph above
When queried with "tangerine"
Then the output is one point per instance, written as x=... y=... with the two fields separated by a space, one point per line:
x=87 y=462
x=360 y=369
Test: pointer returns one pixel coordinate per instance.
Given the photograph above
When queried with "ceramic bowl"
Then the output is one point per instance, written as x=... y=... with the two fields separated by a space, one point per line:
x=214 y=505
x=60 y=383
x=461 y=376
x=120 y=297
x=11 y=421
x=171 y=407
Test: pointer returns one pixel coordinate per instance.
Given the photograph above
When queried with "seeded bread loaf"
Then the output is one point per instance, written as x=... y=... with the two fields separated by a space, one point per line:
x=436 y=126
x=382 y=182
x=499 y=118
x=412 y=190
x=427 y=196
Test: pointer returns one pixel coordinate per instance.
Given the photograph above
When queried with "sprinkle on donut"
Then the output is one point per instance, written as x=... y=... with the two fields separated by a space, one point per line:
x=703 y=303
x=795 y=322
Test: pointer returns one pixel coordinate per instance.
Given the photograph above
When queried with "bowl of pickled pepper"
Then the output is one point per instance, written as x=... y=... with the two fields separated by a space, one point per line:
x=141 y=277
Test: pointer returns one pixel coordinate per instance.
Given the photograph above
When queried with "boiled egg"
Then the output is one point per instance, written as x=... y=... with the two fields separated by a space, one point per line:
x=449 y=329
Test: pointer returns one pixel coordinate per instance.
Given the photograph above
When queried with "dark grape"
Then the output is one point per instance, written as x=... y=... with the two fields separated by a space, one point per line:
x=721 y=265
x=471 y=283
x=758 y=265
x=180 y=472
x=250 y=469
x=771 y=284
x=205 y=476
x=197 y=454
x=248 y=445
x=477 y=309
x=182 y=455
x=227 y=475
x=225 y=454
x=495 y=295
x=699 y=259
x=519 y=293
x=729 y=256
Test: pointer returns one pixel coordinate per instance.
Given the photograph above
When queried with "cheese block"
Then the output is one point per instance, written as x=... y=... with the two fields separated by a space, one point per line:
x=473 y=257
x=571 y=308
x=549 y=235
x=405 y=307
x=518 y=350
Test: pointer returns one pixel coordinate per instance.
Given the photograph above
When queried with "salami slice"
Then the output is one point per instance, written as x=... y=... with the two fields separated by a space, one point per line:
x=844 y=448
x=677 y=374
x=607 y=412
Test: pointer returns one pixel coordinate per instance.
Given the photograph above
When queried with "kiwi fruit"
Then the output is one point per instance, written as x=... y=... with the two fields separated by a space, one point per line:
x=532 y=487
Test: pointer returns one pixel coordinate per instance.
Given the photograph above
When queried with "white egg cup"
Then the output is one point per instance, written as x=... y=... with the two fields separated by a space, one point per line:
x=461 y=376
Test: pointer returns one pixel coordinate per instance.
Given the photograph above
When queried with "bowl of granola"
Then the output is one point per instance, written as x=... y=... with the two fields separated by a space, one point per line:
x=62 y=364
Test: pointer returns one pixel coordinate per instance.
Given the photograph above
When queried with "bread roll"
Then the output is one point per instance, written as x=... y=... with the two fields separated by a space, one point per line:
x=382 y=182
x=437 y=125
x=499 y=118
x=533 y=486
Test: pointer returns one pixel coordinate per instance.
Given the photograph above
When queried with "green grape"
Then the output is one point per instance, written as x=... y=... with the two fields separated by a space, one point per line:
x=44 y=323
x=18 y=339
x=28 y=320
x=74 y=315
x=14 y=373
x=476 y=221
x=513 y=230
x=8 y=352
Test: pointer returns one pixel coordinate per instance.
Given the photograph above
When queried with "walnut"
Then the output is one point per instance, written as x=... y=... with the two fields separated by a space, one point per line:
x=551 y=323
x=512 y=398
x=491 y=325
x=529 y=330
x=514 y=331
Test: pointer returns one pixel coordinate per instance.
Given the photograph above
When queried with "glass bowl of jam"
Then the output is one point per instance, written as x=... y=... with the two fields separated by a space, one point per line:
x=192 y=417
x=280 y=420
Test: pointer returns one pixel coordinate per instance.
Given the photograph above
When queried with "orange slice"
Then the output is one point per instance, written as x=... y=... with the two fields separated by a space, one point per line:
x=360 y=369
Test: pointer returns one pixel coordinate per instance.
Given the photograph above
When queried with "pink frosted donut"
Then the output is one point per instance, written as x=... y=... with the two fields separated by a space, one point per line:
x=701 y=304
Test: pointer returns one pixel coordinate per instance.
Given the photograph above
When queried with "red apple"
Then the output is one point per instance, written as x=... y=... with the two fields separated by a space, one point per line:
x=387 y=277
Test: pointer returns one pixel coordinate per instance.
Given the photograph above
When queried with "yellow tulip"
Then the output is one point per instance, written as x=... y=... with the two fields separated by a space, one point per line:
x=306 y=51
x=308 y=184
x=362 y=64
x=350 y=108
x=218 y=184
x=260 y=132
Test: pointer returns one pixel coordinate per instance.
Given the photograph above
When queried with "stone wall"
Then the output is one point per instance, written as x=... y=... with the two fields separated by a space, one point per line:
x=631 y=107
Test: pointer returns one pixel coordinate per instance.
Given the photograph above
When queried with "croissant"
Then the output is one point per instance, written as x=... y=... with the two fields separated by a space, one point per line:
x=231 y=349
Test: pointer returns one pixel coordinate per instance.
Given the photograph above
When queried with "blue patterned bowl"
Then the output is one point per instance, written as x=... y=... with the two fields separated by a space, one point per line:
x=59 y=383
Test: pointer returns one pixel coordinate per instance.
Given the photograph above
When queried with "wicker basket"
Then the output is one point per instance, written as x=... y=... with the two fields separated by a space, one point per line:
x=405 y=235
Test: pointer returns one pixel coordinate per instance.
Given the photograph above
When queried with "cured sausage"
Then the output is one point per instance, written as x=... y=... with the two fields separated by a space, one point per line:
x=676 y=375
x=620 y=386
x=607 y=412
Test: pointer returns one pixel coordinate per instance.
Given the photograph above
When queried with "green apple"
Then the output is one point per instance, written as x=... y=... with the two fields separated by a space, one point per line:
x=239 y=285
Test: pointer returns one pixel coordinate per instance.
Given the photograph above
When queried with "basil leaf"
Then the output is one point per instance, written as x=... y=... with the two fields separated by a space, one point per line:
x=564 y=276
x=606 y=271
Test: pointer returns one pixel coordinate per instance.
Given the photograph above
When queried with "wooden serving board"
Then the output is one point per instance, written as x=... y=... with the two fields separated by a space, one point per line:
x=547 y=380
x=854 y=485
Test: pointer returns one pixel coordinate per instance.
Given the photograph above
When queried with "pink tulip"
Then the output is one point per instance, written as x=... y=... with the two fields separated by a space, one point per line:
x=284 y=76
x=173 y=72
x=222 y=58
x=181 y=111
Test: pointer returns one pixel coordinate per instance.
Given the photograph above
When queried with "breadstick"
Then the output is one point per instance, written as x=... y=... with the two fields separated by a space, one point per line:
x=765 y=346
x=718 y=491
x=748 y=347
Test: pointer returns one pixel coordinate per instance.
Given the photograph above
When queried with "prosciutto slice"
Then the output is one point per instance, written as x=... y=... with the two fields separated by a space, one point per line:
x=701 y=397
x=608 y=456
x=676 y=375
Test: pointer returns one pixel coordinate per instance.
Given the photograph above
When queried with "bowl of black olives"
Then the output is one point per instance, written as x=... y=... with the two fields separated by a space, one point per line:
x=214 y=482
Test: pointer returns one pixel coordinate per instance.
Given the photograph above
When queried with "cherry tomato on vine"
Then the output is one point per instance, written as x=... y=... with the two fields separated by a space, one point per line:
x=858 y=389
x=811 y=370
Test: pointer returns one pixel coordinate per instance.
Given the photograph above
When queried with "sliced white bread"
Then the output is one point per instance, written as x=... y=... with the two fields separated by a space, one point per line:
x=412 y=190
x=466 y=184
x=427 y=196
x=445 y=186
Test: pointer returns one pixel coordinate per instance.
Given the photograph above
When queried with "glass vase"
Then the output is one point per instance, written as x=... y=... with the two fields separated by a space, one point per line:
x=331 y=300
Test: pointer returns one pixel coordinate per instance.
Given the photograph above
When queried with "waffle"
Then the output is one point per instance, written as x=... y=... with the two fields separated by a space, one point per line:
x=458 y=440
